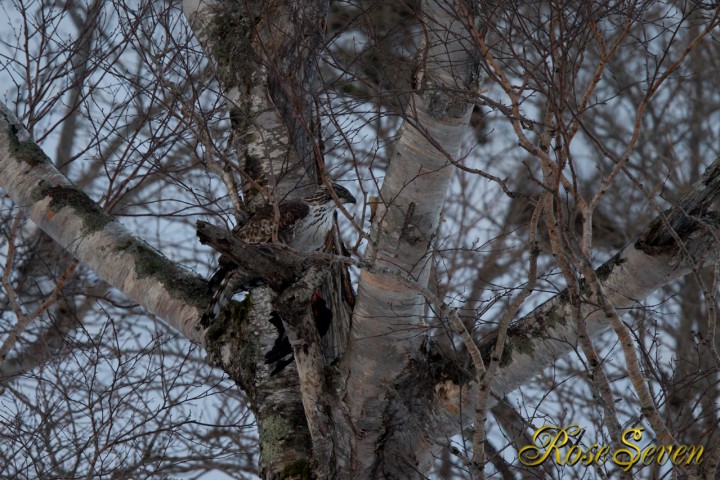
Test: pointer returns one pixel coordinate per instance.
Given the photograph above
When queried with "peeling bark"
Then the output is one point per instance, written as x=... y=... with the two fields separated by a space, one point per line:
x=239 y=338
x=381 y=410
x=236 y=343
x=266 y=55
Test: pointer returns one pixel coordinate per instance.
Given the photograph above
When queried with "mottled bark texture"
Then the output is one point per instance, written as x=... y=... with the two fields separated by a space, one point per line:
x=95 y=238
x=375 y=404
x=265 y=53
x=426 y=395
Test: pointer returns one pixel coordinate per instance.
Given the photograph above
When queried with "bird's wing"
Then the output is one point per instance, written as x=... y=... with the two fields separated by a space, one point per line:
x=260 y=226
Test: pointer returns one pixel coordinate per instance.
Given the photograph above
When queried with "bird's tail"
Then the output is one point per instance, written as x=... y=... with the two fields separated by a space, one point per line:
x=225 y=283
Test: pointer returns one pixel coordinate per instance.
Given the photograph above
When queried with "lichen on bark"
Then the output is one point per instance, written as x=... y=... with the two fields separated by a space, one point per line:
x=233 y=345
x=298 y=470
x=93 y=217
x=604 y=271
x=231 y=35
x=26 y=151
x=232 y=315
x=178 y=282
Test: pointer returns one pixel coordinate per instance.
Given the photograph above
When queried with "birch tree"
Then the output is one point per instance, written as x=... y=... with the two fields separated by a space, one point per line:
x=535 y=242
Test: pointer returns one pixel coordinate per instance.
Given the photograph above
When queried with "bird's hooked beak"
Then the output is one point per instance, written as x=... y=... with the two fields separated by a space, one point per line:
x=343 y=194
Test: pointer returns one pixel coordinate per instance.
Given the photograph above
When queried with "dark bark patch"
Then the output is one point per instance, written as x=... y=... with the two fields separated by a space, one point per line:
x=28 y=152
x=231 y=37
x=486 y=350
x=94 y=218
x=231 y=330
x=277 y=432
x=179 y=283
x=297 y=470
x=604 y=271
x=522 y=336
x=657 y=239
x=444 y=365
x=233 y=313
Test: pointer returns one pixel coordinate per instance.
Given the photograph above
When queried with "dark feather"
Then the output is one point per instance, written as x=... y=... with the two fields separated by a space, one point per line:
x=281 y=353
x=259 y=228
x=301 y=224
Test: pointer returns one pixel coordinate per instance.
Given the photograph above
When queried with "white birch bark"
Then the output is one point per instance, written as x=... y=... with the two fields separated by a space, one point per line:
x=641 y=268
x=265 y=53
x=387 y=325
x=95 y=238
x=390 y=414
x=271 y=144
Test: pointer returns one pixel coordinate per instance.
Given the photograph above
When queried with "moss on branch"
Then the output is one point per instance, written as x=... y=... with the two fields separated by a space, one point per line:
x=178 y=282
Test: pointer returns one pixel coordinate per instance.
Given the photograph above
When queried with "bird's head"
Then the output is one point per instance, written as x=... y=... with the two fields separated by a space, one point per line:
x=343 y=193
x=322 y=195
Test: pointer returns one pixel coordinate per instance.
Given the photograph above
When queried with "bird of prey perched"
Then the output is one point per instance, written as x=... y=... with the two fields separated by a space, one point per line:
x=303 y=225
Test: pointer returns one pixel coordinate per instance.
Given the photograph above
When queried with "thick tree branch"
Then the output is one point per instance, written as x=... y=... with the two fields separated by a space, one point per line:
x=95 y=238
x=653 y=261
x=276 y=265
x=537 y=340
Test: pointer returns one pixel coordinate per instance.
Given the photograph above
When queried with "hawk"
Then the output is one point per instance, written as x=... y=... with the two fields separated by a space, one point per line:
x=302 y=224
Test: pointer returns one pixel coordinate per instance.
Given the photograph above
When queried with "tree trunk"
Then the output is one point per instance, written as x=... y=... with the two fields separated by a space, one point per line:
x=374 y=399
x=384 y=351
